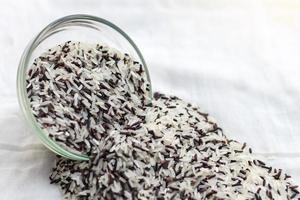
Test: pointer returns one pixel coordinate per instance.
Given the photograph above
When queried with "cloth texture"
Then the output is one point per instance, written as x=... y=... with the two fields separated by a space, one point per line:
x=237 y=60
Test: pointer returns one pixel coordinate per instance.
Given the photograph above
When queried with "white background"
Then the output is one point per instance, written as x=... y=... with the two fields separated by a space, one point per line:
x=238 y=60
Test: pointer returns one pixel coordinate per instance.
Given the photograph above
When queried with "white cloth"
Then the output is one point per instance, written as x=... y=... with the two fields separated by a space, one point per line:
x=238 y=60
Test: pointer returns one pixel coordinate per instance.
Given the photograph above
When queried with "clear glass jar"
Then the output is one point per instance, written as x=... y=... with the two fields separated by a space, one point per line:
x=84 y=28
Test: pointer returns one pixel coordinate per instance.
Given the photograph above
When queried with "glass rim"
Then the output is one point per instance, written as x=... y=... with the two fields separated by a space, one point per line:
x=21 y=79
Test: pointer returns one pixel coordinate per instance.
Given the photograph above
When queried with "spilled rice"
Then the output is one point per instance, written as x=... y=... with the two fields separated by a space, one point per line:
x=94 y=100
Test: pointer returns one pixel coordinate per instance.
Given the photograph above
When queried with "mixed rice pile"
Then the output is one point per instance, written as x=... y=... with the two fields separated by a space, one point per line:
x=94 y=100
x=79 y=92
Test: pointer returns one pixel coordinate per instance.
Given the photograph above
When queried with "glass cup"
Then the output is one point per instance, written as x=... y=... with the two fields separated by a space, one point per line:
x=83 y=28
